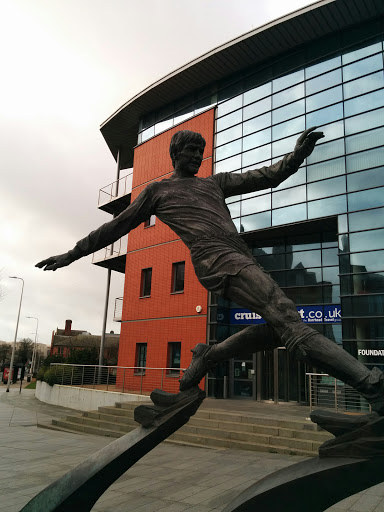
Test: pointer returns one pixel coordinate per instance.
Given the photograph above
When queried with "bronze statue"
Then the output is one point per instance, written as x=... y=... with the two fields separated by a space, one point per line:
x=195 y=209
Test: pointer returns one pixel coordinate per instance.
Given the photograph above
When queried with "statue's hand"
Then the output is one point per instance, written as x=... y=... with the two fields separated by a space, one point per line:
x=306 y=142
x=55 y=262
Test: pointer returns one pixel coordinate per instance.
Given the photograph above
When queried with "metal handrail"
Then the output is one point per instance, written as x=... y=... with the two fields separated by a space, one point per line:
x=111 y=251
x=334 y=395
x=117 y=188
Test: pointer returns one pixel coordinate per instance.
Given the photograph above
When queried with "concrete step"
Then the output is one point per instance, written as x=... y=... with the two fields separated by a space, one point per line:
x=124 y=420
x=208 y=441
x=103 y=425
x=79 y=427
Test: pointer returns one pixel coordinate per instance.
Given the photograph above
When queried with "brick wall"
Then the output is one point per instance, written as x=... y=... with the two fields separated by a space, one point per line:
x=163 y=317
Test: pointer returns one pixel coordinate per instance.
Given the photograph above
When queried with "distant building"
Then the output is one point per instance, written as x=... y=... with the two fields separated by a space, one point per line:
x=65 y=341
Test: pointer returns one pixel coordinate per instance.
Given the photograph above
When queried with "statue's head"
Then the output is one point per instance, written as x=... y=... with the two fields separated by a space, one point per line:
x=181 y=139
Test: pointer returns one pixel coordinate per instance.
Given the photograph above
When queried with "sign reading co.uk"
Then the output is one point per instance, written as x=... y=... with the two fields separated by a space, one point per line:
x=309 y=315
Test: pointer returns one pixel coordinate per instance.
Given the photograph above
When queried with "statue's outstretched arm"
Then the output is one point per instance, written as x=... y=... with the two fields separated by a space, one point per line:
x=136 y=213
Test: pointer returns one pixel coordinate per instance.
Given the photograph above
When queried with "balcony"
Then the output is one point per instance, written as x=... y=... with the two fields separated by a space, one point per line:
x=115 y=197
x=118 y=312
x=112 y=257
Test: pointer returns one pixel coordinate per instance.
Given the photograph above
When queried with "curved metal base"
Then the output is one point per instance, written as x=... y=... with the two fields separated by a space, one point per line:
x=313 y=485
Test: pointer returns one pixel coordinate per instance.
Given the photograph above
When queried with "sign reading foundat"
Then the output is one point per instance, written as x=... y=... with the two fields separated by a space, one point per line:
x=309 y=315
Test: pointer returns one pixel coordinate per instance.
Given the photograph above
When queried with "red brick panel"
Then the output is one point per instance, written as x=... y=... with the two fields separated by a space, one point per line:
x=157 y=334
x=161 y=303
x=152 y=158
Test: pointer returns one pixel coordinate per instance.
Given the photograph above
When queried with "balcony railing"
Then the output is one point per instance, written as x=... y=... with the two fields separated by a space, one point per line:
x=118 y=312
x=326 y=392
x=113 y=256
x=116 y=196
x=122 y=379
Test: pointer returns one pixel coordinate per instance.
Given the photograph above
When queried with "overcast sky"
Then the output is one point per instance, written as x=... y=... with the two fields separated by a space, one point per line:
x=67 y=65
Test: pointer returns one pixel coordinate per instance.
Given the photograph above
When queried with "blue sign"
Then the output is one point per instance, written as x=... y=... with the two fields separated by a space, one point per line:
x=309 y=315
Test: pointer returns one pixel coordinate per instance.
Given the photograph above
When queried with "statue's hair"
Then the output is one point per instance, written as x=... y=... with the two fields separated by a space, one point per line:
x=180 y=139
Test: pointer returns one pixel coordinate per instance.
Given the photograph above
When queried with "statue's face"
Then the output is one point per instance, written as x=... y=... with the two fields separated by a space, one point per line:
x=189 y=159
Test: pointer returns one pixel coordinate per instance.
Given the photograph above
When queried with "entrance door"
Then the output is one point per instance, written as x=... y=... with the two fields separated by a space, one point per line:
x=243 y=378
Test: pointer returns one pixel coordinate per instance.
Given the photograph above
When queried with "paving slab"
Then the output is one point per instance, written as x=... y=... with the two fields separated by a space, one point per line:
x=172 y=478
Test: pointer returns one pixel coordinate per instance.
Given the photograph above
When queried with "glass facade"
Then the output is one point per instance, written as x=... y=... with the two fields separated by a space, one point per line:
x=336 y=84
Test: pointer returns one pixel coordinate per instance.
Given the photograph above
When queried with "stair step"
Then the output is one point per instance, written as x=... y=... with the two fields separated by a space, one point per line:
x=237 y=444
x=105 y=425
x=123 y=420
x=78 y=427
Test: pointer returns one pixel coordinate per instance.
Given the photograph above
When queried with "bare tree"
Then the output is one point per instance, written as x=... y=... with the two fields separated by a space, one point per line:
x=24 y=351
x=5 y=353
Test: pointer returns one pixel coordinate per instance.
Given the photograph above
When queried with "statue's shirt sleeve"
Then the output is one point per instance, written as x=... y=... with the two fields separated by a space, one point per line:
x=233 y=184
x=139 y=211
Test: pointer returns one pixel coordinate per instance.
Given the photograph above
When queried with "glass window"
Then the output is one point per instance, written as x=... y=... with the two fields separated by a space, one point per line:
x=266 y=163
x=326 y=169
x=229 y=149
x=304 y=259
x=370 y=218
x=227 y=135
x=364 y=103
x=366 y=179
x=367 y=240
x=363 y=329
x=322 y=67
x=303 y=242
x=323 y=81
x=146 y=282
x=367 y=261
x=257 y=123
x=256 y=155
x=364 y=121
x=257 y=93
x=358 y=284
x=332 y=131
x=287 y=80
x=325 y=115
x=257 y=108
x=178 y=272
x=330 y=206
x=362 y=85
x=174 y=354
x=360 y=53
x=229 y=120
x=141 y=355
x=302 y=276
x=305 y=295
x=342 y=223
x=288 y=95
x=287 y=197
x=324 y=98
x=326 y=188
x=292 y=110
x=257 y=139
x=329 y=150
x=147 y=134
x=365 y=140
x=362 y=67
x=296 y=179
x=368 y=305
x=365 y=160
x=163 y=125
x=253 y=222
x=331 y=274
x=330 y=257
x=228 y=165
x=367 y=199
x=234 y=209
x=290 y=214
x=283 y=146
x=229 y=106
x=232 y=199
x=290 y=127
x=256 y=205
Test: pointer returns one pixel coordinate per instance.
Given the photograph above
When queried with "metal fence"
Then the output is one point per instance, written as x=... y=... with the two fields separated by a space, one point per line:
x=111 y=251
x=327 y=392
x=123 y=187
x=123 y=379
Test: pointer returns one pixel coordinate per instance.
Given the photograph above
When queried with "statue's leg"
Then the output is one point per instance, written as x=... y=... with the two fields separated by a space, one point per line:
x=255 y=290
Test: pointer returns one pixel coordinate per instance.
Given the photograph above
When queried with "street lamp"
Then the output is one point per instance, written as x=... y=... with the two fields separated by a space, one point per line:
x=14 y=342
x=33 y=361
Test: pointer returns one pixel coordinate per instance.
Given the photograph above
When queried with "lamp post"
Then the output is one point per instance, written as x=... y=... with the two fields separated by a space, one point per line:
x=33 y=361
x=17 y=327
